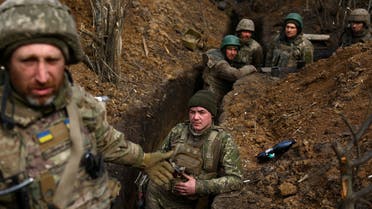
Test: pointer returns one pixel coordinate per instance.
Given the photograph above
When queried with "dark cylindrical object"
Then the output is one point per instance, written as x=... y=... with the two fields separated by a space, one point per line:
x=276 y=151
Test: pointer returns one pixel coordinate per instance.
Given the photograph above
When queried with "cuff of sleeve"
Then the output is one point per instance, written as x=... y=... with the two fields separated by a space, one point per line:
x=139 y=160
x=200 y=187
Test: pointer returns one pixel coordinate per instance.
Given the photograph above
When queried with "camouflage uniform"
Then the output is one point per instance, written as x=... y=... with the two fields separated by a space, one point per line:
x=349 y=37
x=284 y=53
x=215 y=165
x=250 y=53
x=219 y=75
x=39 y=143
x=55 y=153
x=295 y=52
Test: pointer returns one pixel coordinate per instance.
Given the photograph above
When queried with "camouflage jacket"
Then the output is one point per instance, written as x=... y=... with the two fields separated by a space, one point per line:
x=219 y=75
x=284 y=53
x=348 y=38
x=250 y=53
x=39 y=146
x=219 y=168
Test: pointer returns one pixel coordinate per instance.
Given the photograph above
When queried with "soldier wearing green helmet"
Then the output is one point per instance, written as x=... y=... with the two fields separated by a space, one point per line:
x=290 y=49
x=250 y=52
x=54 y=137
x=220 y=70
x=358 y=28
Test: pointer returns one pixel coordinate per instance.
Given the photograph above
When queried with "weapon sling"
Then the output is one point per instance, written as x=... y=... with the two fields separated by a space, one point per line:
x=70 y=172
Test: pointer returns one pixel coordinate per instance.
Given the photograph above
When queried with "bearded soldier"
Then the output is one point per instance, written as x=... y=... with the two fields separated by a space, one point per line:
x=358 y=29
x=54 y=137
x=290 y=48
x=205 y=157
x=250 y=52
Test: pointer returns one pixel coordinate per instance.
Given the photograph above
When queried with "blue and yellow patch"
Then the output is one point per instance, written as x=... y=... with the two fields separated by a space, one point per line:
x=54 y=131
x=44 y=136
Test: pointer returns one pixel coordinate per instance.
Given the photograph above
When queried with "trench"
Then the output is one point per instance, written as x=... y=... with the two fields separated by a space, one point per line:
x=149 y=125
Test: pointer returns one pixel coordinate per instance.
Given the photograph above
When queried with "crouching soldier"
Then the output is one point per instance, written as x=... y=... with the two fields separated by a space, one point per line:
x=205 y=158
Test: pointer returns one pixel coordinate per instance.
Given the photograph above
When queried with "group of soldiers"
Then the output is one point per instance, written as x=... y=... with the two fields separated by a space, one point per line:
x=289 y=51
x=55 y=138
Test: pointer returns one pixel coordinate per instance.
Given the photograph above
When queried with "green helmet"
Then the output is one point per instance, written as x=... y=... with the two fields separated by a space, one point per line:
x=297 y=18
x=24 y=20
x=245 y=24
x=229 y=40
x=360 y=15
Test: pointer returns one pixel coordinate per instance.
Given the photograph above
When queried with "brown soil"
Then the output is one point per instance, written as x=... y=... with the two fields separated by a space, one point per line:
x=259 y=112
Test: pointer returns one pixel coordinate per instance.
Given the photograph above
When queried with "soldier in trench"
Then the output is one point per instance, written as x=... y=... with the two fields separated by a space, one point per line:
x=221 y=69
x=250 y=52
x=54 y=136
x=290 y=49
x=358 y=28
x=206 y=161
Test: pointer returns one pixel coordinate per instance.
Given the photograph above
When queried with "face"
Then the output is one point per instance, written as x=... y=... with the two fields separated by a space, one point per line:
x=290 y=30
x=231 y=52
x=200 y=118
x=36 y=72
x=357 y=26
x=245 y=35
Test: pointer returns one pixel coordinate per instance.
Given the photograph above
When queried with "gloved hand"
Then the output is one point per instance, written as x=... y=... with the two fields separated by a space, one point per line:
x=158 y=170
x=247 y=69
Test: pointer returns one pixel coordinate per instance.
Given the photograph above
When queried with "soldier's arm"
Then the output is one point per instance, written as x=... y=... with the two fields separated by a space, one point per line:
x=225 y=71
x=111 y=143
x=232 y=178
x=308 y=52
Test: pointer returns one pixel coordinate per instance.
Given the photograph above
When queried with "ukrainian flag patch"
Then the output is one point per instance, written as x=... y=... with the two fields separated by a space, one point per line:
x=44 y=136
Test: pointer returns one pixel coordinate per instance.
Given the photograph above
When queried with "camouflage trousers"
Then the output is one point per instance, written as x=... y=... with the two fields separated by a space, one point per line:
x=161 y=198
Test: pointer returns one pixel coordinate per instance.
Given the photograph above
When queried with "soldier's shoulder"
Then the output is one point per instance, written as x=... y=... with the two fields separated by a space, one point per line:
x=85 y=101
x=255 y=44
x=222 y=133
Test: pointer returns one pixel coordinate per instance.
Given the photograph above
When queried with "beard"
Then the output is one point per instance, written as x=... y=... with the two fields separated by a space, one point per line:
x=37 y=103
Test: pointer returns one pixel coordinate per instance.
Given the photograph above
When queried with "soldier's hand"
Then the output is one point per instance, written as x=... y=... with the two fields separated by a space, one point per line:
x=188 y=187
x=161 y=173
x=247 y=69
x=155 y=165
x=151 y=159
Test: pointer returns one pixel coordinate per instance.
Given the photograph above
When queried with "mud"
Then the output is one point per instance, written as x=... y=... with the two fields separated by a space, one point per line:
x=260 y=111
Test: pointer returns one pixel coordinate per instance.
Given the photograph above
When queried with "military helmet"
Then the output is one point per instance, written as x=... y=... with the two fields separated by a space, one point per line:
x=230 y=40
x=245 y=24
x=297 y=18
x=23 y=20
x=360 y=15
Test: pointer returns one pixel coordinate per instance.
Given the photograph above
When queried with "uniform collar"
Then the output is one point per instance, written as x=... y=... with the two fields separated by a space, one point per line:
x=22 y=113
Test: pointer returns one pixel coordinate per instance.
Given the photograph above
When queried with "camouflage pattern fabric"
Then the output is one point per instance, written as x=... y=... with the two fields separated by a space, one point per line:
x=348 y=38
x=250 y=53
x=39 y=146
x=24 y=20
x=229 y=169
x=284 y=53
x=218 y=75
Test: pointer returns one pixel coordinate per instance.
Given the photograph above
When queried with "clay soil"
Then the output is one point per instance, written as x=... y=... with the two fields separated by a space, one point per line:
x=261 y=110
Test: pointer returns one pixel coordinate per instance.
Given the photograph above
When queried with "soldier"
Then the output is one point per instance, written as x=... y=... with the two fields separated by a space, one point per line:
x=54 y=137
x=357 y=29
x=250 y=52
x=205 y=158
x=290 y=49
x=220 y=72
